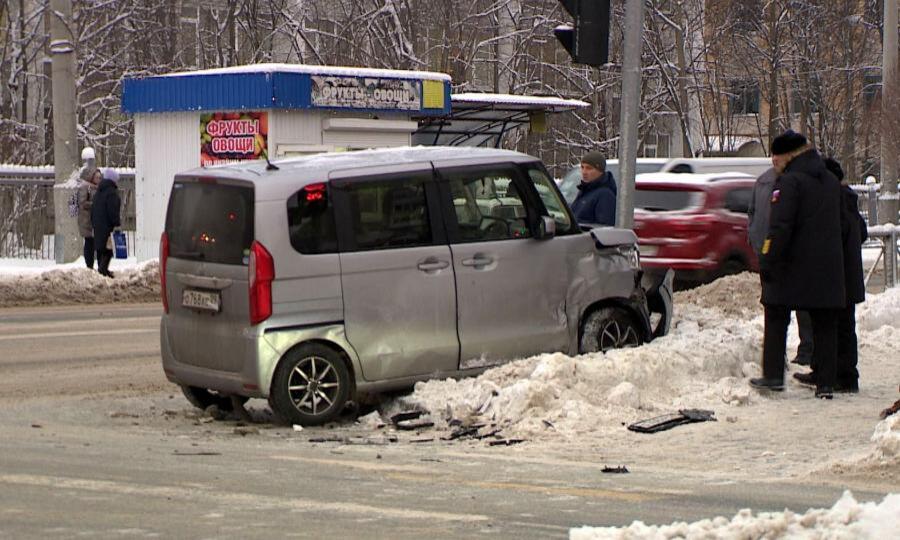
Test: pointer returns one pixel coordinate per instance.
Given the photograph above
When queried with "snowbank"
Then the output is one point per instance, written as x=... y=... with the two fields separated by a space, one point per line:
x=76 y=284
x=847 y=519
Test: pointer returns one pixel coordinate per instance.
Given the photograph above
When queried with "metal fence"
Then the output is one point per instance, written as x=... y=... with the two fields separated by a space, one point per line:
x=27 y=217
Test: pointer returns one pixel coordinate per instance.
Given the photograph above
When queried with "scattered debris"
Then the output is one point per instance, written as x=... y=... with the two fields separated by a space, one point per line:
x=410 y=425
x=246 y=430
x=326 y=439
x=298 y=427
x=505 y=442
x=415 y=441
x=120 y=414
x=215 y=412
x=36 y=426
x=668 y=421
x=615 y=470
x=406 y=415
x=893 y=409
x=549 y=424
x=201 y=453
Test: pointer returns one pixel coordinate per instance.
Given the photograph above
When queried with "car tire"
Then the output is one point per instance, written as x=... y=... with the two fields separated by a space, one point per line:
x=609 y=328
x=294 y=397
x=203 y=398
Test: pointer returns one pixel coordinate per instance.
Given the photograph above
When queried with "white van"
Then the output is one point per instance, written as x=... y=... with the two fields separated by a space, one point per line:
x=752 y=166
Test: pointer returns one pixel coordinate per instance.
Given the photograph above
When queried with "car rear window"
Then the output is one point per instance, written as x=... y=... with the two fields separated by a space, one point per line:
x=210 y=222
x=666 y=200
x=311 y=220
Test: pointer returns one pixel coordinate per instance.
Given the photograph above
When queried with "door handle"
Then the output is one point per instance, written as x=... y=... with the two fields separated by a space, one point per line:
x=432 y=265
x=477 y=261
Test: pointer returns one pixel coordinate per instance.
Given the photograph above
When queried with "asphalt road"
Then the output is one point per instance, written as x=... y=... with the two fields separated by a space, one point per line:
x=95 y=443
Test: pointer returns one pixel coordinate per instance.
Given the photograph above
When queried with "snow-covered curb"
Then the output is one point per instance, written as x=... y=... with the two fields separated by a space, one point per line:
x=847 y=519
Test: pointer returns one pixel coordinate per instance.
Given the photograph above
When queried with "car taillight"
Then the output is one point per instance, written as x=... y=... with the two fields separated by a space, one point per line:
x=261 y=273
x=163 y=259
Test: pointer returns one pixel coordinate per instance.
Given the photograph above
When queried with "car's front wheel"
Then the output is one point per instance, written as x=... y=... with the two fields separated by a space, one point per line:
x=609 y=328
x=310 y=386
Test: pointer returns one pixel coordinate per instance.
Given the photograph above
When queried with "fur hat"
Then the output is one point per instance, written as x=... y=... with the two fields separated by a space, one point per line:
x=596 y=160
x=111 y=174
x=787 y=142
x=835 y=168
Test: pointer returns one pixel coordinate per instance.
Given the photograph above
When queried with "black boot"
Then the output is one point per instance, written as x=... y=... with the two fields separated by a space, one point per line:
x=775 y=385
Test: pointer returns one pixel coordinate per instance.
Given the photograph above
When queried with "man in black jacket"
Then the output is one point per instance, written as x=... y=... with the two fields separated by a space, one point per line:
x=105 y=218
x=854 y=232
x=801 y=262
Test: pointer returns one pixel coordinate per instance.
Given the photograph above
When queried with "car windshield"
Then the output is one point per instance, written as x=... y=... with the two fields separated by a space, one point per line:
x=666 y=200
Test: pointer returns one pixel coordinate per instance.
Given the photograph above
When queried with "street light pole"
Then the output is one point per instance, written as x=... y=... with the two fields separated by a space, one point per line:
x=65 y=141
x=630 y=114
x=890 y=130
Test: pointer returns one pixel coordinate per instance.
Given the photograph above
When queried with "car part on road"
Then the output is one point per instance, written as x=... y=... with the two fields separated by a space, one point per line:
x=310 y=386
x=609 y=328
x=668 y=421
x=615 y=470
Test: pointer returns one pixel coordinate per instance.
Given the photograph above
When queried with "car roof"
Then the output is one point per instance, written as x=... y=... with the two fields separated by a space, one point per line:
x=695 y=180
x=295 y=172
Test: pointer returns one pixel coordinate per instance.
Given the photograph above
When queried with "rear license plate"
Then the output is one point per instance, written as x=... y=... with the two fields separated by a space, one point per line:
x=647 y=251
x=202 y=300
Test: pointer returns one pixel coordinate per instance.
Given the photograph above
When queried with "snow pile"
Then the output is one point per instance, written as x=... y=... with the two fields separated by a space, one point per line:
x=80 y=285
x=735 y=296
x=702 y=363
x=879 y=311
x=887 y=440
x=847 y=519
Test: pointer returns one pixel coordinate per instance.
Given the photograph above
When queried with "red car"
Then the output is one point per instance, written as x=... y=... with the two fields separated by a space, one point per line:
x=695 y=224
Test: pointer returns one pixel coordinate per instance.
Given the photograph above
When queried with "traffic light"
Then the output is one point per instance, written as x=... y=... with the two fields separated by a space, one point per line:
x=588 y=40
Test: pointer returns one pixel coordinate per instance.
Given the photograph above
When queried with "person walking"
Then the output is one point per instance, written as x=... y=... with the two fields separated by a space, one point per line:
x=105 y=218
x=801 y=262
x=854 y=232
x=84 y=196
x=758 y=227
x=596 y=200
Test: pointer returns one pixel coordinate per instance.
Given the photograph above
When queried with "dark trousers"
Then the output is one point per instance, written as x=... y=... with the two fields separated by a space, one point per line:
x=89 y=251
x=824 y=322
x=847 y=346
x=777 y=319
x=804 y=325
x=104 y=256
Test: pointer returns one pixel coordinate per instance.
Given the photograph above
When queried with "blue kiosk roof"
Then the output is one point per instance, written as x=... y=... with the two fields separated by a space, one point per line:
x=290 y=86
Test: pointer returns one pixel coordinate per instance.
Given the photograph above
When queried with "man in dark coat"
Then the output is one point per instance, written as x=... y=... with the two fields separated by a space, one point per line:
x=757 y=230
x=801 y=262
x=105 y=218
x=596 y=200
x=854 y=232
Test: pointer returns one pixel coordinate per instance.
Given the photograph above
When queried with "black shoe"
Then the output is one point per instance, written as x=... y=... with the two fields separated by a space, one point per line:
x=847 y=387
x=775 y=385
x=802 y=360
x=824 y=392
x=806 y=378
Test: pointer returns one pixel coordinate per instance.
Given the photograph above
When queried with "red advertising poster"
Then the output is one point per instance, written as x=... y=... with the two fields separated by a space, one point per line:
x=226 y=137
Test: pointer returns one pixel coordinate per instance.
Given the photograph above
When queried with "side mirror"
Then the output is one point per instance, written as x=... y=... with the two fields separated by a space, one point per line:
x=546 y=228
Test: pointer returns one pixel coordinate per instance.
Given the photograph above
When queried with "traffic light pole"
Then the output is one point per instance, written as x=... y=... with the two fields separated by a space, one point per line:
x=630 y=114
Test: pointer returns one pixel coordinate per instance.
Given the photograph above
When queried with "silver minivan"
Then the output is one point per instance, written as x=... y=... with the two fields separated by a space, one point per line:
x=315 y=280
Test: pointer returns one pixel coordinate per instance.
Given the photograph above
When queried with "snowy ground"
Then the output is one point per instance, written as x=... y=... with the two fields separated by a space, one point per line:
x=564 y=407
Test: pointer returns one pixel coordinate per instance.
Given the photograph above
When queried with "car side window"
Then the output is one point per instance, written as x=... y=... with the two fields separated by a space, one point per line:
x=311 y=220
x=738 y=200
x=487 y=205
x=388 y=214
x=554 y=204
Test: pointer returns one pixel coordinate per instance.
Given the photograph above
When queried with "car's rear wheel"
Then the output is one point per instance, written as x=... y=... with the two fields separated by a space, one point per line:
x=203 y=398
x=610 y=328
x=310 y=386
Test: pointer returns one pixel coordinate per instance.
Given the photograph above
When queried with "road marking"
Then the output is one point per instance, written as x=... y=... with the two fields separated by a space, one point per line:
x=535 y=488
x=423 y=474
x=80 y=334
x=245 y=500
x=79 y=323
x=362 y=465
